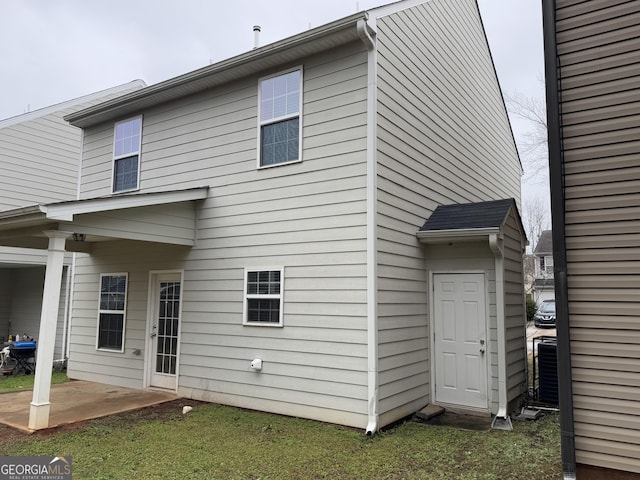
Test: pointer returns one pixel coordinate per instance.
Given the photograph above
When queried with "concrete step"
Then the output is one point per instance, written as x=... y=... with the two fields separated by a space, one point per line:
x=429 y=412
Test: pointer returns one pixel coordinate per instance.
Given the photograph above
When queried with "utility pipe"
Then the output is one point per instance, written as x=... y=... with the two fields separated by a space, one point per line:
x=556 y=178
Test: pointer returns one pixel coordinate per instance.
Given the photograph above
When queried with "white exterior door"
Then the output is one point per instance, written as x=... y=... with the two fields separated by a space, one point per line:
x=164 y=331
x=460 y=328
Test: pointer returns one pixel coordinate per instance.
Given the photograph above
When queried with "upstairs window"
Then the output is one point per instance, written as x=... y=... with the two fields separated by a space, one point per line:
x=280 y=127
x=546 y=265
x=126 y=154
x=263 y=297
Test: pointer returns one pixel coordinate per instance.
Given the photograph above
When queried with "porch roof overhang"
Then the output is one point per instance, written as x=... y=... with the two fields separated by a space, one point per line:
x=469 y=222
x=162 y=217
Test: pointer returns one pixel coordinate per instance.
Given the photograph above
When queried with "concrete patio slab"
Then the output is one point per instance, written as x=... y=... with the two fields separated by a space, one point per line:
x=76 y=401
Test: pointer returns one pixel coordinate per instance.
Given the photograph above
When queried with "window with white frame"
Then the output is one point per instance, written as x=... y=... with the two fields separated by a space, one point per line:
x=126 y=154
x=263 y=297
x=546 y=265
x=111 y=314
x=280 y=125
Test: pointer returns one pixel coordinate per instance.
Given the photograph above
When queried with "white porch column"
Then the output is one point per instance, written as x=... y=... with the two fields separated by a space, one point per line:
x=39 y=413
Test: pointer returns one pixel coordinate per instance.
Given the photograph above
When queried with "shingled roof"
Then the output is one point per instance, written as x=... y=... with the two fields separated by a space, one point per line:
x=545 y=243
x=467 y=216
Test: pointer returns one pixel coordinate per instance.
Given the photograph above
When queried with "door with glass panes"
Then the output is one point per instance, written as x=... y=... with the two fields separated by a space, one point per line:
x=164 y=331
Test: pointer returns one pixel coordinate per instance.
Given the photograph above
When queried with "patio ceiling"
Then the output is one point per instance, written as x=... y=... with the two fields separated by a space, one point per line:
x=165 y=217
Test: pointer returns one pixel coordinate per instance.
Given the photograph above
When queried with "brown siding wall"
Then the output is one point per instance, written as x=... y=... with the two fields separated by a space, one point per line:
x=599 y=57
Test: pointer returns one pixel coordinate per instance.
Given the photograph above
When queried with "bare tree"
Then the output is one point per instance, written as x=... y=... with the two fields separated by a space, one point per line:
x=532 y=144
x=535 y=218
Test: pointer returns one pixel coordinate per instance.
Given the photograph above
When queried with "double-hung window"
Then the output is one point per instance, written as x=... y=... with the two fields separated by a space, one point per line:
x=263 y=297
x=111 y=314
x=280 y=125
x=126 y=154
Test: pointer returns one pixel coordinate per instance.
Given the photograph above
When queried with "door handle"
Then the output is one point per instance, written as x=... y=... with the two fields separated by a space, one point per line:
x=153 y=334
x=482 y=351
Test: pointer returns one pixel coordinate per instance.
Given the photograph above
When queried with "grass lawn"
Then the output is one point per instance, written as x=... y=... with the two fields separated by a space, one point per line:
x=12 y=383
x=219 y=442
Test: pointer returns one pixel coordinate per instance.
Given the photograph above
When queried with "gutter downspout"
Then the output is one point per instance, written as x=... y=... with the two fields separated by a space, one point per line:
x=372 y=230
x=502 y=421
x=556 y=179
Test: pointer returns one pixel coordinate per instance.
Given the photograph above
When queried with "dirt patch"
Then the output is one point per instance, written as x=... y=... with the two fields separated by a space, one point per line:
x=166 y=410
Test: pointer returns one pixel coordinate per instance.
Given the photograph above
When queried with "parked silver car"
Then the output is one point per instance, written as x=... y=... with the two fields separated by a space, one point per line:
x=546 y=314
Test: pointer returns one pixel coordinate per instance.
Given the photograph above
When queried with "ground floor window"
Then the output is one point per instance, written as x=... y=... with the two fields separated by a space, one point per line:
x=111 y=311
x=263 y=296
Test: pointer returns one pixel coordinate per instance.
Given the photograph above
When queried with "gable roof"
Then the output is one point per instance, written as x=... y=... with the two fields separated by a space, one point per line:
x=466 y=216
x=470 y=221
x=545 y=243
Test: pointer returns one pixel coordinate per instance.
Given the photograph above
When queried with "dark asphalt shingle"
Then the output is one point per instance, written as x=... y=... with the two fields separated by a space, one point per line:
x=469 y=215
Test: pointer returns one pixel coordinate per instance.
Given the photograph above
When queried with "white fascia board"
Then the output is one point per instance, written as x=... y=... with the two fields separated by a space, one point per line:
x=65 y=211
x=442 y=236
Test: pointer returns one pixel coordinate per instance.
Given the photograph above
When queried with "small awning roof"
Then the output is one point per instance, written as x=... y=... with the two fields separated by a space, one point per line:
x=164 y=217
x=468 y=221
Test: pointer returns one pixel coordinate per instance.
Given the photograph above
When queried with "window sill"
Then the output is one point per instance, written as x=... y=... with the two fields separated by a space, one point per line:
x=262 y=167
x=260 y=324
x=109 y=350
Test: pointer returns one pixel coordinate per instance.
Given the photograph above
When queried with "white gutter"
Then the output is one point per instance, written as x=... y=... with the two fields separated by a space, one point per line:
x=502 y=420
x=372 y=230
x=440 y=236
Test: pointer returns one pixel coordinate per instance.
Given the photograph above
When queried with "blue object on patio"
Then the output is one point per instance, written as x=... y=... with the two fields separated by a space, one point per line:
x=23 y=352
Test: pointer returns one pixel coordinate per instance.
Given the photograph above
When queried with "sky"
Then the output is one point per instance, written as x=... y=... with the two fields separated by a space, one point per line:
x=53 y=51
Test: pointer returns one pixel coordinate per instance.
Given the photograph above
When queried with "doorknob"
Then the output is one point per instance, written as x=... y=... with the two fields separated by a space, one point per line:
x=482 y=351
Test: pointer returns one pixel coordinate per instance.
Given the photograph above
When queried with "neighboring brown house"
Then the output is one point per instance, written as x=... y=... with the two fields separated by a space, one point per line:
x=592 y=55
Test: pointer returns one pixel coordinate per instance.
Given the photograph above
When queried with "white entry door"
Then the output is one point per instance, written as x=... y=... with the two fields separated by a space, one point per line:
x=164 y=331
x=460 y=327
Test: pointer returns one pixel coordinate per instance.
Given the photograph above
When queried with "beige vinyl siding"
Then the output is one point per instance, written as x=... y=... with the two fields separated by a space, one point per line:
x=136 y=259
x=442 y=136
x=6 y=291
x=40 y=153
x=24 y=302
x=308 y=217
x=599 y=55
x=39 y=160
x=514 y=312
x=171 y=223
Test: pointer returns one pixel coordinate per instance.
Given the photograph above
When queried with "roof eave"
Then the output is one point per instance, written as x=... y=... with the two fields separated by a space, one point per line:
x=65 y=211
x=456 y=235
x=284 y=51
